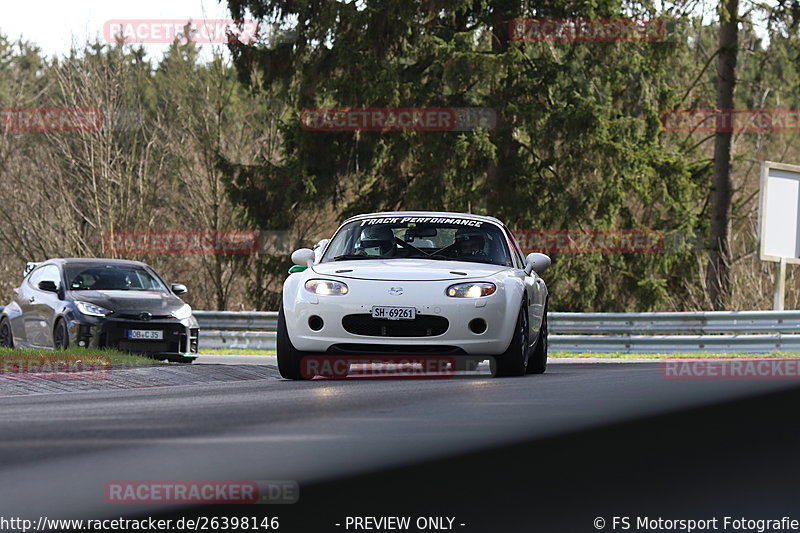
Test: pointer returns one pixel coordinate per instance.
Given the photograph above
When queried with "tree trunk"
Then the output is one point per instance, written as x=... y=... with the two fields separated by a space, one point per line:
x=497 y=187
x=718 y=279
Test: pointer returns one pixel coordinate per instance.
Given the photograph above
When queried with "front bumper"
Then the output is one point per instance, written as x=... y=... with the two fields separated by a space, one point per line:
x=442 y=325
x=180 y=337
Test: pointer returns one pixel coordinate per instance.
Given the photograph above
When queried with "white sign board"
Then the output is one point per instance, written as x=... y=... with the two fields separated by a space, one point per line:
x=779 y=212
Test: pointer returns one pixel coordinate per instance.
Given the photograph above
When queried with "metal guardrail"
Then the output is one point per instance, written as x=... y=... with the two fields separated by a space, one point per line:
x=238 y=320
x=675 y=343
x=676 y=323
x=705 y=331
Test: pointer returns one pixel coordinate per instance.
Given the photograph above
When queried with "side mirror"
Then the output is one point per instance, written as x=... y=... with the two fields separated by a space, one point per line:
x=303 y=257
x=48 y=286
x=536 y=262
x=178 y=288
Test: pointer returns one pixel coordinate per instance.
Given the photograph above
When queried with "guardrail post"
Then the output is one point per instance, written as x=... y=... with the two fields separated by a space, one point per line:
x=780 y=285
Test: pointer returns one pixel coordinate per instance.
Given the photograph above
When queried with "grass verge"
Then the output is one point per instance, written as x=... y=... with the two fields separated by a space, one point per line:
x=72 y=356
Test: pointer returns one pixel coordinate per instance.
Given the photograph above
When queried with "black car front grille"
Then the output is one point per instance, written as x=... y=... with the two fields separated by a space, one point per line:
x=137 y=346
x=421 y=326
x=115 y=335
x=138 y=316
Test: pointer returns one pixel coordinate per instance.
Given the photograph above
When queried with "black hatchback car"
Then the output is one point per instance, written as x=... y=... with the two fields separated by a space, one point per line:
x=99 y=303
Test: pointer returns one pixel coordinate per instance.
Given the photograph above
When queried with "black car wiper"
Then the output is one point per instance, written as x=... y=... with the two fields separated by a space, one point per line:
x=354 y=256
x=431 y=256
x=479 y=259
x=463 y=258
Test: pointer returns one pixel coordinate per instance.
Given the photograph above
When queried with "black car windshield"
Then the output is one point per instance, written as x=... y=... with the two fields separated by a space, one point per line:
x=111 y=278
x=431 y=237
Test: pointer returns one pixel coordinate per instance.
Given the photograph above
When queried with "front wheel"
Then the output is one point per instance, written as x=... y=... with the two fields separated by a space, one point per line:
x=512 y=361
x=537 y=363
x=6 y=337
x=60 y=336
x=289 y=358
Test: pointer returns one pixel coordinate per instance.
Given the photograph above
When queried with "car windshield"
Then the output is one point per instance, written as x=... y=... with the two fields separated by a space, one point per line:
x=111 y=278
x=439 y=238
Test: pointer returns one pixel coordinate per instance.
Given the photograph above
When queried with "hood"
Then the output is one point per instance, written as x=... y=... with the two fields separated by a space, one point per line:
x=407 y=269
x=126 y=302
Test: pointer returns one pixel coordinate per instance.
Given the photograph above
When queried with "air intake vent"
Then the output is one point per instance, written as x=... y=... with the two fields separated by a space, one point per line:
x=422 y=326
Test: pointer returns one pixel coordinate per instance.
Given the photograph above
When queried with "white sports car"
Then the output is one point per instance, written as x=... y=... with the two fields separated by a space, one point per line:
x=417 y=283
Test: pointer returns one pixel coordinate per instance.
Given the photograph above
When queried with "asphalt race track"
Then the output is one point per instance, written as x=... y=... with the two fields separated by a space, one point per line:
x=539 y=453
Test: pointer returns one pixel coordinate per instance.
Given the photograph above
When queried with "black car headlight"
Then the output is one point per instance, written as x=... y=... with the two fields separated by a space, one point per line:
x=471 y=290
x=91 y=309
x=184 y=312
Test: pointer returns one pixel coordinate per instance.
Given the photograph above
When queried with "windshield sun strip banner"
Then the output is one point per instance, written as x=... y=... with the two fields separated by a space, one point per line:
x=422 y=220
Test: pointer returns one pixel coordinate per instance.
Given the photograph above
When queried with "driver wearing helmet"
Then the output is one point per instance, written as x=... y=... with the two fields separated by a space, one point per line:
x=470 y=242
x=377 y=240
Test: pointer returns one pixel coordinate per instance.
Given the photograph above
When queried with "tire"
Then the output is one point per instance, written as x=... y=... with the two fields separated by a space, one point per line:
x=6 y=335
x=537 y=363
x=60 y=335
x=512 y=362
x=289 y=358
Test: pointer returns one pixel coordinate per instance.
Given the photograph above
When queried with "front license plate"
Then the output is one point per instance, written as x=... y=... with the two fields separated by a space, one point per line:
x=146 y=334
x=394 y=313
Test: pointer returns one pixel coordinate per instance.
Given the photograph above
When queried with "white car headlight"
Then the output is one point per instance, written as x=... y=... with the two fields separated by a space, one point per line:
x=91 y=309
x=471 y=290
x=326 y=287
x=183 y=312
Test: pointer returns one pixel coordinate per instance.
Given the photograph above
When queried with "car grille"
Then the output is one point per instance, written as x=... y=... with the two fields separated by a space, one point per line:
x=394 y=349
x=115 y=335
x=137 y=316
x=422 y=326
x=146 y=347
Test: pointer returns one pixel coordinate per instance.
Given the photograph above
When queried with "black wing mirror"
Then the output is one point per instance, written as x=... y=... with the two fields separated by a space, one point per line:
x=179 y=288
x=48 y=286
